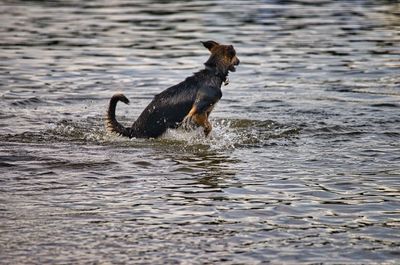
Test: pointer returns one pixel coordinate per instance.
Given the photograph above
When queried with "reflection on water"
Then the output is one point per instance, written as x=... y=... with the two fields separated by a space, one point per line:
x=302 y=165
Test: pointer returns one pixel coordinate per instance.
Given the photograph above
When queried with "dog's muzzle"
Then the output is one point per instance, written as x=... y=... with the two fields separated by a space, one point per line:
x=232 y=68
x=237 y=62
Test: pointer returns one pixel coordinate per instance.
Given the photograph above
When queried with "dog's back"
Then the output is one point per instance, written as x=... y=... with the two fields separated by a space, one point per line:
x=166 y=110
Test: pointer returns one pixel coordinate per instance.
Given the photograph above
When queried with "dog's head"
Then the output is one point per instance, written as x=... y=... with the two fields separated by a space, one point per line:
x=223 y=57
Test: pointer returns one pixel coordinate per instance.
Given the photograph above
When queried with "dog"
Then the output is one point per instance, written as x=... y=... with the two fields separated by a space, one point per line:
x=185 y=104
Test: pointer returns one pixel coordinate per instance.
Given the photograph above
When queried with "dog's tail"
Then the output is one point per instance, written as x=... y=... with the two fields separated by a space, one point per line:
x=112 y=125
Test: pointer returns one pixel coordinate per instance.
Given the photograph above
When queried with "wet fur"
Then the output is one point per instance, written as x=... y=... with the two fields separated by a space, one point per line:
x=185 y=104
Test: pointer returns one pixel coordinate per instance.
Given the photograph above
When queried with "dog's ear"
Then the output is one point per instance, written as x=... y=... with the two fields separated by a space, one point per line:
x=210 y=44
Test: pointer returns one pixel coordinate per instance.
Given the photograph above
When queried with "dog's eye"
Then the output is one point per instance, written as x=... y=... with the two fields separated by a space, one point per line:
x=231 y=51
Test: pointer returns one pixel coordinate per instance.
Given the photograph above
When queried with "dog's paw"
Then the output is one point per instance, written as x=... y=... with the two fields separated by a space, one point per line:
x=207 y=130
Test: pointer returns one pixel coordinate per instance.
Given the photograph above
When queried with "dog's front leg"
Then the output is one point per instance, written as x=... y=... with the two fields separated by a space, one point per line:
x=199 y=119
x=188 y=122
x=202 y=120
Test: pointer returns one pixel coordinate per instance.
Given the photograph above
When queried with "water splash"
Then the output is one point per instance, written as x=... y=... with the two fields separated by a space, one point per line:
x=231 y=134
x=223 y=136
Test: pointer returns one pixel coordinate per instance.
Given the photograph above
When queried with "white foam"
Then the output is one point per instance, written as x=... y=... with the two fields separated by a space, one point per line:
x=223 y=136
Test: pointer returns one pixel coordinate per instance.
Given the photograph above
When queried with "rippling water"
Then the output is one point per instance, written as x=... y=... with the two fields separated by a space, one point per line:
x=302 y=165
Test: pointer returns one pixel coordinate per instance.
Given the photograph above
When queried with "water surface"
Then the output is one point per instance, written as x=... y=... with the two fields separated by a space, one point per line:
x=302 y=165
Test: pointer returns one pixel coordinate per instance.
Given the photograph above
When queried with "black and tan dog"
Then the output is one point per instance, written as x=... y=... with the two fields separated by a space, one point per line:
x=189 y=102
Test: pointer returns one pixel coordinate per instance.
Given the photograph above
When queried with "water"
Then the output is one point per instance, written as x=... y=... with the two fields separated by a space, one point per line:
x=302 y=165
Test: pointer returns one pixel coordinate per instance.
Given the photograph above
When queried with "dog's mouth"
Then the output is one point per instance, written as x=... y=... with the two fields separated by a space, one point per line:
x=232 y=67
